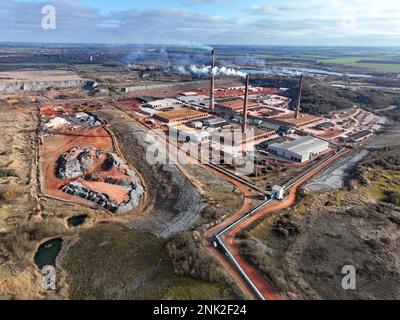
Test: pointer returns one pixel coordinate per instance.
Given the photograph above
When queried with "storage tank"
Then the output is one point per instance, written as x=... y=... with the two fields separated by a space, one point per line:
x=196 y=124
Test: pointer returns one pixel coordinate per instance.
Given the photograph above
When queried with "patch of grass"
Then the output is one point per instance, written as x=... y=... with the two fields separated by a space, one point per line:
x=221 y=203
x=107 y=258
x=165 y=285
x=389 y=180
x=22 y=240
x=10 y=193
x=254 y=252
x=189 y=258
x=337 y=198
x=392 y=197
x=112 y=261
x=7 y=173
x=262 y=229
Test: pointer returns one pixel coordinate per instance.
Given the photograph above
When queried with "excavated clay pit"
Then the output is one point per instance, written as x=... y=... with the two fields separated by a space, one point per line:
x=99 y=177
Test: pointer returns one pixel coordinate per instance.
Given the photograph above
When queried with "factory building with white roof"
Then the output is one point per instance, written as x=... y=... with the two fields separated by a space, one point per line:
x=299 y=150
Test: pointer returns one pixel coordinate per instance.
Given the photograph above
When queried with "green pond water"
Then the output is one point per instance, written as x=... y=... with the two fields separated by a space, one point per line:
x=48 y=252
x=76 y=220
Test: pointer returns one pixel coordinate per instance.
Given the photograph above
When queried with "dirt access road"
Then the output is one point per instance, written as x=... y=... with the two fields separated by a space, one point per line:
x=207 y=242
x=262 y=284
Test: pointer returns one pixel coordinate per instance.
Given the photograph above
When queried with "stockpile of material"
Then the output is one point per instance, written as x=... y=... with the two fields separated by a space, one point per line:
x=57 y=123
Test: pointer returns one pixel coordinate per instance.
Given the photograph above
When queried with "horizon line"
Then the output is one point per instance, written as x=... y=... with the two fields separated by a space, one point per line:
x=196 y=45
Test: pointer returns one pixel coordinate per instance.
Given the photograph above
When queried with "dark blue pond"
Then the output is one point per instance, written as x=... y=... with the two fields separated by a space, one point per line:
x=48 y=252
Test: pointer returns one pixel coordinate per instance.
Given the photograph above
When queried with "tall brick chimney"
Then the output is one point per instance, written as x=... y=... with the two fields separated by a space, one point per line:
x=212 y=87
x=297 y=114
x=246 y=98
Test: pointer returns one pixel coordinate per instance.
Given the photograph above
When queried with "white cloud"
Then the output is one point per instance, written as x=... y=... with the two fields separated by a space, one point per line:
x=355 y=22
x=356 y=18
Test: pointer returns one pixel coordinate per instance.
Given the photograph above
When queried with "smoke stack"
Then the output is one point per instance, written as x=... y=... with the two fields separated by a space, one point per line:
x=212 y=89
x=246 y=97
x=297 y=115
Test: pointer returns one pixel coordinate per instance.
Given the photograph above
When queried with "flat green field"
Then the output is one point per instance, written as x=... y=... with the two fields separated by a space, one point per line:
x=354 y=62
x=385 y=62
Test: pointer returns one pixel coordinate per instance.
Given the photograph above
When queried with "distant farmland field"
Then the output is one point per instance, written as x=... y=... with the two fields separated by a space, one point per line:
x=379 y=64
x=384 y=60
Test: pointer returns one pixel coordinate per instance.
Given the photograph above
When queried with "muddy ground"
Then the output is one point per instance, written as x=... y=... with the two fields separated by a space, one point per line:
x=60 y=143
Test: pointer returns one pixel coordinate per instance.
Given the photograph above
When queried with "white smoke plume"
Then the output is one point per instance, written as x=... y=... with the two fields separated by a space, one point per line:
x=201 y=46
x=204 y=70
x=192 y=45
x=217 y=71
x=182 y=70
x=228 y=72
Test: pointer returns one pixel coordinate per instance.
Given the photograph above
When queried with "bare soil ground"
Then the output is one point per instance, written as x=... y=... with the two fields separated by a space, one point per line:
x=17 y=131
x=390 y=137
x=59 y=144
x=223 y=198
x=335 y=176
x=35 y=75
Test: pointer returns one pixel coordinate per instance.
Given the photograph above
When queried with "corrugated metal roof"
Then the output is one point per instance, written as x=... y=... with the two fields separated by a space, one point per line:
x=360 y=135
x=302 y=146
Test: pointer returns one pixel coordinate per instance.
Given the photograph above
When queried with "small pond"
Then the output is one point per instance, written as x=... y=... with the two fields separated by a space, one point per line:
x=48 y=252
x=76 y=221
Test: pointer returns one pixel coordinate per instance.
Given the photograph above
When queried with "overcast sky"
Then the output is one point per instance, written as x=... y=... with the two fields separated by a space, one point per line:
x=258 y=22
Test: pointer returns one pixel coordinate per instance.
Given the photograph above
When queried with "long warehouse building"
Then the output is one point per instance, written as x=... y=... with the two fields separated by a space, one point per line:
x=180 y=115
x=163 y=104
x=299 y=150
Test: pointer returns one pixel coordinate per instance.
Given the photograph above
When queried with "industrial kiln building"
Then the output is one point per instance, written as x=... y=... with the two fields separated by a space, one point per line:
x=300 y=150
x=180 y=115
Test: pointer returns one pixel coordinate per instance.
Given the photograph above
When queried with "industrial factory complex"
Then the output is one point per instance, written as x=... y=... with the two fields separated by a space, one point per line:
x=260 y=114
x=162 y=177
